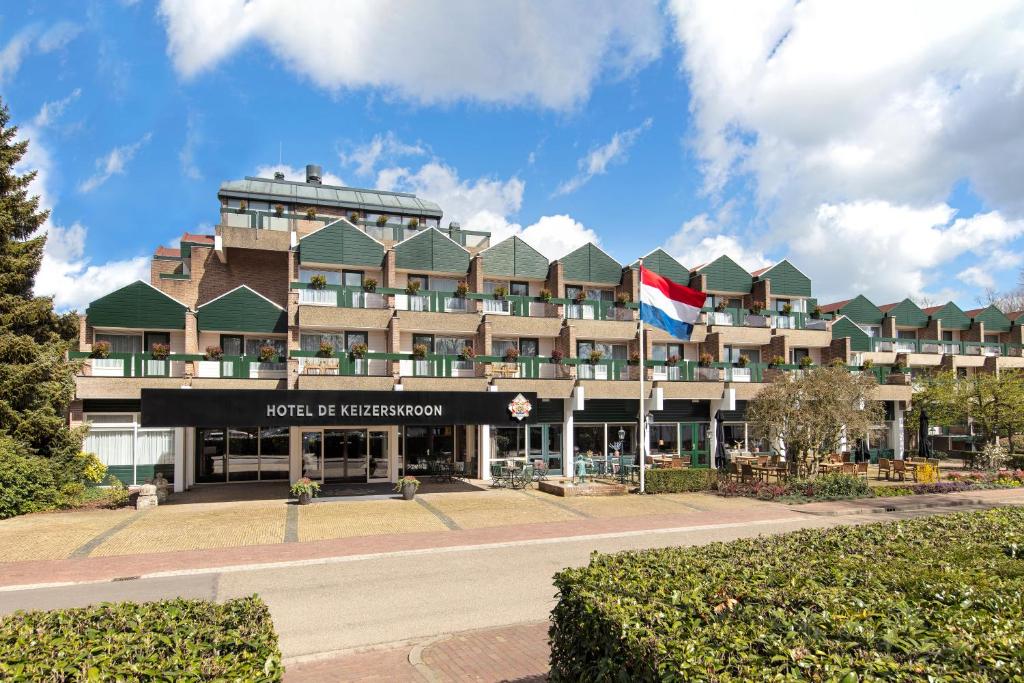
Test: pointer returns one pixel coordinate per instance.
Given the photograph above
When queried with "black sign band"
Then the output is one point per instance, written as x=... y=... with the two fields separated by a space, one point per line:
x=274 y=408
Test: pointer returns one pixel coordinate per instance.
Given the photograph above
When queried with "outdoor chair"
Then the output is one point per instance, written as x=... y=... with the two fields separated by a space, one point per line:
x=498 y=476
x=862 y=470
x=884 y=465
x=746 y=472
x=459 y=471
x=849 y=468
x=899 y=470
x=540 y=470
x=733 y=472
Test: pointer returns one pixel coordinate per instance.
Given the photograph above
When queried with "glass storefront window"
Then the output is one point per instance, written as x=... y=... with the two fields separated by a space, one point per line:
x=735 y=435
x=243 y=454
x=424 y=444
x=508 y=443
x=622 y=437
x=211 y=447
x=274 y=450
x=664 y=439
x=588 y=439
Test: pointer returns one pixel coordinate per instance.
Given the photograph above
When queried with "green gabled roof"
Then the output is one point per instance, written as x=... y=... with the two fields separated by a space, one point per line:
x=590 y=264
x=139 y=306
x=858 y=309
x=724 y=275
x=844 y=327
x=514 y=258
x=341 y=243
x=241 y=310
x=432 y=251
x=786 y=279
x=951 y=315
x=994 y=319
x=906 y=312
x=664 y=265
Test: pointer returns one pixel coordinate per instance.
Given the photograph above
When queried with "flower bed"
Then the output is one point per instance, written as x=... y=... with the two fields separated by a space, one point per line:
x=929 y=599
x=166 y=640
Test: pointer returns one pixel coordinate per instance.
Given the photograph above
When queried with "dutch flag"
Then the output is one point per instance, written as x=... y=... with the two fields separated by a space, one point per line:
x=668 y=305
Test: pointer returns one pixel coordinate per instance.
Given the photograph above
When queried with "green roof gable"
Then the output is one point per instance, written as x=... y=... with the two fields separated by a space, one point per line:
x=341 y=243
x=861 y=310
x=137 y=306
x=725 y=275
x=431 y=251
x=514 y=258
x=241 y=310
x=787 y=280
x=844 y=327
x=664 y=265
x=908 y=313
x=952 y=317
x=994 y=319
x=590 y=264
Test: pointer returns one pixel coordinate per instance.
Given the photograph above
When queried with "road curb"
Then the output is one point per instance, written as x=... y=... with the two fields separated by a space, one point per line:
x=884 y=509
x=416 y=657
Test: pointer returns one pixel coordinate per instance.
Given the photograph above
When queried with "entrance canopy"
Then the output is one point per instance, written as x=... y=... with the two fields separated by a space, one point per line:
x=275 y=408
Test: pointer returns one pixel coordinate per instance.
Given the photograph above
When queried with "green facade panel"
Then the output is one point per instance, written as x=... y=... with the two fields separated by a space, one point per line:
x=342 y=244
x=952 y=317
x=590 y=264
x=787 y=280
x=994 y=319
x=861 y=310
x=908 y=313
x=725 y=275
x=241 y=310
x=431 y=251
x=859 y=340
x=664 y=265
x=137 y=306
x=514 y=258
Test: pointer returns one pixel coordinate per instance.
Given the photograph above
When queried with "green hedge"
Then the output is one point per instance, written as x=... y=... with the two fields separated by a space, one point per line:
x=170 y=640
x=666 y=480
x=937 y=598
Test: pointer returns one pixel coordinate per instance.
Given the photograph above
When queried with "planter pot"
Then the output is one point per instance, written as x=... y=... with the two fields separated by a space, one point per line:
x=408 y=491
x=305 y=498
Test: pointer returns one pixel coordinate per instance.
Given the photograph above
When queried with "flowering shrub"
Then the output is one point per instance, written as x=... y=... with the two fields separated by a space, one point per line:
x=268 y=353
x=927 y=474
x=557 y=356
x=160 y=351
x=101 y=349
x=992 y=457
x=214 y=353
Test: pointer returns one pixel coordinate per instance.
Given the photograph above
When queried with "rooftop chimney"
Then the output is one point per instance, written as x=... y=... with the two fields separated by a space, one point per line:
x=312 y=174
x=278 y=175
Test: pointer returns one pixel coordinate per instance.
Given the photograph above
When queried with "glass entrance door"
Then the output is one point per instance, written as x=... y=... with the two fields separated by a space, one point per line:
x=337 y=455
x=379 y=460
x=693 y=443
x=546 y=446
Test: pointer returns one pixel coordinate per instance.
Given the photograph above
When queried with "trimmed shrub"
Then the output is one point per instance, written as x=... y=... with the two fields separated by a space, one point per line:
x=166 y=640
x=666 y=480
x=27 y=483
x=937 y=598
x=836 y=485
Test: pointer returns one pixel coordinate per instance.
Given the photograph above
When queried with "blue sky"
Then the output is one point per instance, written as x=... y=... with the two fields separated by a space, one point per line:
x=890 y=166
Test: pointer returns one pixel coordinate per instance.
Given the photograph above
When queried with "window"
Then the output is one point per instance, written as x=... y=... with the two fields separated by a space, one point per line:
x=311 y=342
x=333 y=277
x=491 y=285
x=353 y=338
x=352 y=278
x=529 y=347
x=735 y=435
x=781 y=303
x=450 y=346
x=621 y=438
x=797 y=355
x=947 y=336
x=422 y=279
x=153 y=338
x=500 y=346
x=608 y=350
x=906 y=334
x=444 y=284
x=871 y=330
x=424 y=339
x=121 y=343
x=519 y=288
x=663 y=351
x=664 y=439
x=232 y=344
x=253 y=345
x=733 y=353
x=588 y=439
x=991 y=338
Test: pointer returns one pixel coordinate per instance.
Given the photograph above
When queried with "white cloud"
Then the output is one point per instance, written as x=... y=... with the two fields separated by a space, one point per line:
x=863 y=117
x=596 y=162
x=977 y=277
x=703 y=239
x=21 y=44
x=51 y=111
x=14 y=52
x=487 y=204
x=113 y=163
x=187 y=155
x=58 y=36
x=428 y=52
x=385 y=147
x=295 y=173
x=72 y=279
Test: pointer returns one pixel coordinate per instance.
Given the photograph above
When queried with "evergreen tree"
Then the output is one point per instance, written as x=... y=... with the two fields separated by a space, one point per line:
x=36 y=382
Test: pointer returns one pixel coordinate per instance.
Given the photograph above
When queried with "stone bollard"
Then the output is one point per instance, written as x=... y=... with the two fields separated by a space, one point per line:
x=162 y=488
x=147 y=497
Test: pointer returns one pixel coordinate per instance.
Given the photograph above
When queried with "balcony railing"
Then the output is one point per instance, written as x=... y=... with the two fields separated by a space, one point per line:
x=597 y=310
x=145 y=365
x=938 y=346
x=338 y=296
x=741 y=317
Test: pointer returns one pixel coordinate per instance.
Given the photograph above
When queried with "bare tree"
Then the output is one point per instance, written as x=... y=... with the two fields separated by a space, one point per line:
x=1007 y=302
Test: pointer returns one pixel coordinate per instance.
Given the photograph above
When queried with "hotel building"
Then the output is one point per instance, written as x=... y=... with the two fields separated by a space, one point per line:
x=349 y=335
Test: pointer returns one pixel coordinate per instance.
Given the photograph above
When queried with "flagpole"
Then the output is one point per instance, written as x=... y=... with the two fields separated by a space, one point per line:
x=642 y=437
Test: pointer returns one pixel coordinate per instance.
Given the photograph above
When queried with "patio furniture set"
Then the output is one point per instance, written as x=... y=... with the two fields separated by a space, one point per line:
x=899 y=469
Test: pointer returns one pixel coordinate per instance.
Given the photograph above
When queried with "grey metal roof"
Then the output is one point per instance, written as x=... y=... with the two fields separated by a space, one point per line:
x=270 y=189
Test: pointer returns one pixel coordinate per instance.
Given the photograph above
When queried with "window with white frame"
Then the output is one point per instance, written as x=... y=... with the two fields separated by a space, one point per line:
x=120 y=343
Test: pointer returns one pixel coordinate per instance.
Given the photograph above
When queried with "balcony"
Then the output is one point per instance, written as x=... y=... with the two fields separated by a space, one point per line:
x=340 y=297
x=938 y=346
x=741 y=317
x=598 y=310
x=176 y=365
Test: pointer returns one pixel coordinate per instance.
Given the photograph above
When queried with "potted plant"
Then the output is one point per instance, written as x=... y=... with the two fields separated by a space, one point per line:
x=214 y=353
x=622 y=299
x=326 y=350
x=837 y=363
x=743 y=361
x=721 y=306
x=806 y=362
x=581 y=296
x=462 y=289
x=318 y=282
x=500 y=292
x=634 y=357
x=243 y=206
x=467 y=353
x=867 y=364
x=512 y=354
x=412 y=288
x=419 y=351
x=672 y=360
x=353 y=218
x=414 y=223
x=407 y=486
x=369 y=285
x=816 y=312
x=382 y=220
x=704 y=369
x=787 y=309
x=705 y=360
x=358 y=350
x=160 y=351
x=756 y=307
x=278 y=210
x=757 y=317
x=776 y=361
x=556 y=356
x=595 y=356
x=545 y=295
x=100 y=349
x=268 y=354
x=310 y=214
x=306 y=490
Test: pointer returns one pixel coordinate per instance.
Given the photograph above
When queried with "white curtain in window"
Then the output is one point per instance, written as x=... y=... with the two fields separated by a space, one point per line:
x=112 y=447
x=333 y=277
x=156 y=447
x=122 y=343
x=253 y=345
x=443 y=284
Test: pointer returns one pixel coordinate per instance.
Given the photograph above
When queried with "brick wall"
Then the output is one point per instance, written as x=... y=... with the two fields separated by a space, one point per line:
x=264 y=271
x=975 y=333
x=839 y=348
x=778 y=346
x=761 y=292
